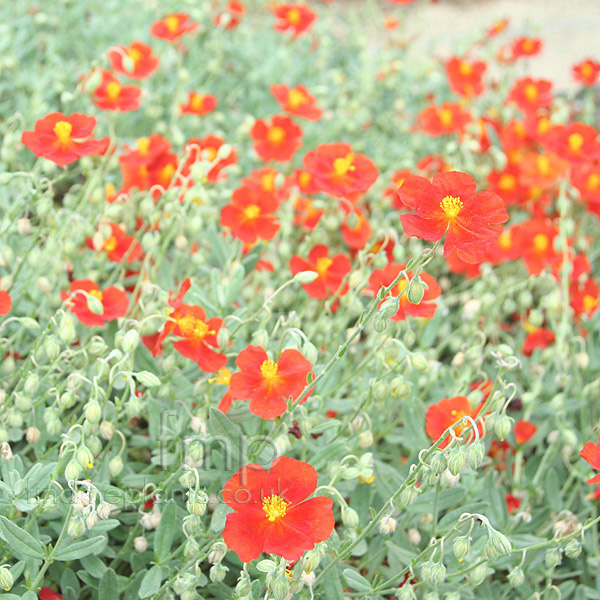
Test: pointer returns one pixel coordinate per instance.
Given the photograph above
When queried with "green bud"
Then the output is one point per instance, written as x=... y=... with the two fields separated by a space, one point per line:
x=419 y=362
x=94 y=444
x=304 y=277
x=279 y=585
x=6 y=579
x=130 y=341
x=389 y=307
x=573 y=548
x=438 y=463
x=350 y=517
x=380 y=389
x=478 y=574
x=553 y=557
x=196 y=503
x=461 y=547
x=32 y=384
x=84 y=457
x=66 y=329
x=516 y=577
x=148 y=379
x=475 y=454
x=67 y=400
x=502 y=426
x=310 y=352
x=97 y=347
x=456 y=460
x=93 y=412
x=76 y=527
x=191 y=549
x=311 y=560
x=244 y=585
x=497 y=545
x=409 y=495
x=416 y=291
x=23 y=403
x=51 y=348
x=115 y=466
x=406 y=592
x=94 y=305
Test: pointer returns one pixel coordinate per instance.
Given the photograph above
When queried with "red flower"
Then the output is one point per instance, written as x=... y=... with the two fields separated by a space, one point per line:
x=307 y=215
x=48 y=594
x=587 y=180
x=497 y=27
x=111 y=95
x=142 y=62
x=450 y=204
x=397 y=180
x=465 y=78
x=268 y=384
x=331 y=271
x=525 y=47
x=383 y=277
x=512 y=503
x=114 y=302
x=5 y=302
x=138 y=163
x=297 y=101
x=538 y=338
x=250 y=215
x=578 y=143
x=535 y=241
x=443 y=120
x=277 y=140
x=117 y=245
x=172 y=27
x=524 y=431
x=355 y=229
x=199 y=334
x=62 y=139
x=584 y=298
x=268 y=180
x=232 y=16
x=338 y=171
x=591 y=454
x=272 y=513
x=587 y=71
x=529 y=94
x=207 y=149
x=197 y=104
x=445 y=413
x=293 y=18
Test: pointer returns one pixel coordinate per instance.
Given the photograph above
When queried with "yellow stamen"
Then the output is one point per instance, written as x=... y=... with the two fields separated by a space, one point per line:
x=593 y=181
x=446 y=117
x=451 y=205
x=275 y=507
x=343 y=164
x=251 y=212
x=268 y=369
x=293 y=16
x=96 y=294
x=507 y=182
x=268 y=182
x=276 y=134
x=465 y=68
x=505 y=241
x=304 y=179
x=222 y=377
x=531 y=92
x=540 y=242
x=134 y=54
x=589 y=303
x=197 y=101
x=113 y=89
x=193 y=327
x=62 y=130
x=576 y=141
x=110 y=244
x=323 y=264
x=543 y=164
x=296 y=98
x=143 y=145
x=172 y=23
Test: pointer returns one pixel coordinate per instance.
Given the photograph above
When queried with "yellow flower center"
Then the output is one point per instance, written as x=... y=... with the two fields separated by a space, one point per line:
x=505 y=241
x=143 y=145
x=593 y=181
x=268 y=369
x=343 y=164
x=543 y=125
x=293 y=16
x=166 y=172
x=276 y=134
x=576 y=141
x=507 y=182
x=446 y=117
x=589 y=303
x=323 y=264
x=451 y=205
x=268 y=182
x=275 y=507
x=252 y=212
x=172 y=23
x=543 y=163
x=296 y=98
x=193 y=327
x=541 y=242
x=222 y=377
x=465 y=68
x=134 y=54
x=197 y=101
x=527 y=46
x=401 y=286
x=210 y=153
x=113 y=89
x=62 y=130
x=531 y=92
x=304 y=179
x=110 y=244
x=96 y=294
x=587 y=70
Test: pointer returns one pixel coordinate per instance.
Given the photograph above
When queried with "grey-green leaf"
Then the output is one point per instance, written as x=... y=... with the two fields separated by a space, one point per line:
x=165 y=532
x=19 y=540
x=80 y=549
x=109 y=588
x=151 y=582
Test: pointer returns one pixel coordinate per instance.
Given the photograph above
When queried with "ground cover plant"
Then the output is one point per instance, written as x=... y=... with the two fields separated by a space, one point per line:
x=293 y=308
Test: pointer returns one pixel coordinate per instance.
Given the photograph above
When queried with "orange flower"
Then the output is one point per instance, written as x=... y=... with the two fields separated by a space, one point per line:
x=340 y=172
x=250 y=215
x=445 y=413
x=293 y=18
x=524 y=431
x=525 y=47
x=269 y=384
x=507 y=185
x=197 y=104
x=591 y=454
x=277 y=140
x=272 y=513
x=173 y=27
x=503 y=249
x=138 y=56
x=578 y=143
x=529 y=94
x=112 y=95
x=331 y=271
x=397 y=180
x=465 y=78
x=117 y=246
x=442 y=120
x=497 y=27
x=267 y=181
x=137 y=163
x=207 y=149
x=587 y=71
x=541 y=170
x=535 y=241
x=383 y=277
x=297 y=101
x=5 y=302
x=451 y=204
x=584 y=297
x=232 y=17
x=586 y=179
x=307 y=215
x=537 y=338
x=114 y=302
x=199 y=333
x=62 y=139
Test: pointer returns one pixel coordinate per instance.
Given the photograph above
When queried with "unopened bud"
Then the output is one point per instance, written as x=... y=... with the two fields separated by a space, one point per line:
x=140 y=544
x=475 y=454
x=409 y=495
x=387 y=525
x=415 y=291
x=6 y=579
x=461 y=547
x=76 y=527
x=84 y=457
x=107 y=430
x=553 y=557
x=456 y=460
x=350 y=517
x=32 y=435
x=217 y=573
x=304 y=277
x=502 y=426
x=115 y=466
x=516 y=577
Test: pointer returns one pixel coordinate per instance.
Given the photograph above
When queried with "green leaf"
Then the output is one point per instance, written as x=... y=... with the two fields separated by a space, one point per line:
x=151 y=582
x=552 y=487
x=134 y=587
x=19 y=540
x=356 y=581
x=165 y=532
x=109 y=588
x=80 y=549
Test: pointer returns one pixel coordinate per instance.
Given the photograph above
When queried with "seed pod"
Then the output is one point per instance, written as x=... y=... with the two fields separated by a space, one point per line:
x=516 y=577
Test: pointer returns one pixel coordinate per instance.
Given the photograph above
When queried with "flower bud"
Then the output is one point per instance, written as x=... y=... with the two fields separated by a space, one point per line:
x=310 y=352
x=406 y=592
x=279 y=585
x=478 y=574
x=350 y=517
x=76 y=527
x=244 y=585
x=217 y=573
x=51 y=348
x=217 y=552
x=106 y=430
x=148 y=379
x=516 y=577
x=130 y=341
x=365 y=439
x=438 y=463
x=456 y=460
x=497 y=545
x=502 y=426
x=72 y=471
x=23 y=403
x=387 y=525
x=389 y=307
x=191 y=549
x=32 y=384
x=196 y=503
x=5 y=451
x=84 y=457
x=32 y=435
x=475 y=454
x=461 y=547
x=91 y=520
x=415 y=291
x=140 y=544
x=573 y=548
x=66 y=329
x=414 y=537
x=93 y=411
x=104 y=509
x=6 y=579
x=419 y=362
x=115 y=466
x=409 y=495
x=553 y=557
x=304 y=277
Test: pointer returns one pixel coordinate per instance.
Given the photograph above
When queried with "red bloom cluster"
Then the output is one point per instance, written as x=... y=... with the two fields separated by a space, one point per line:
x=173 y=27
x=136 y=61
x=113 y=302
x=278 y=140
x=112 y=95
x=293 y=18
